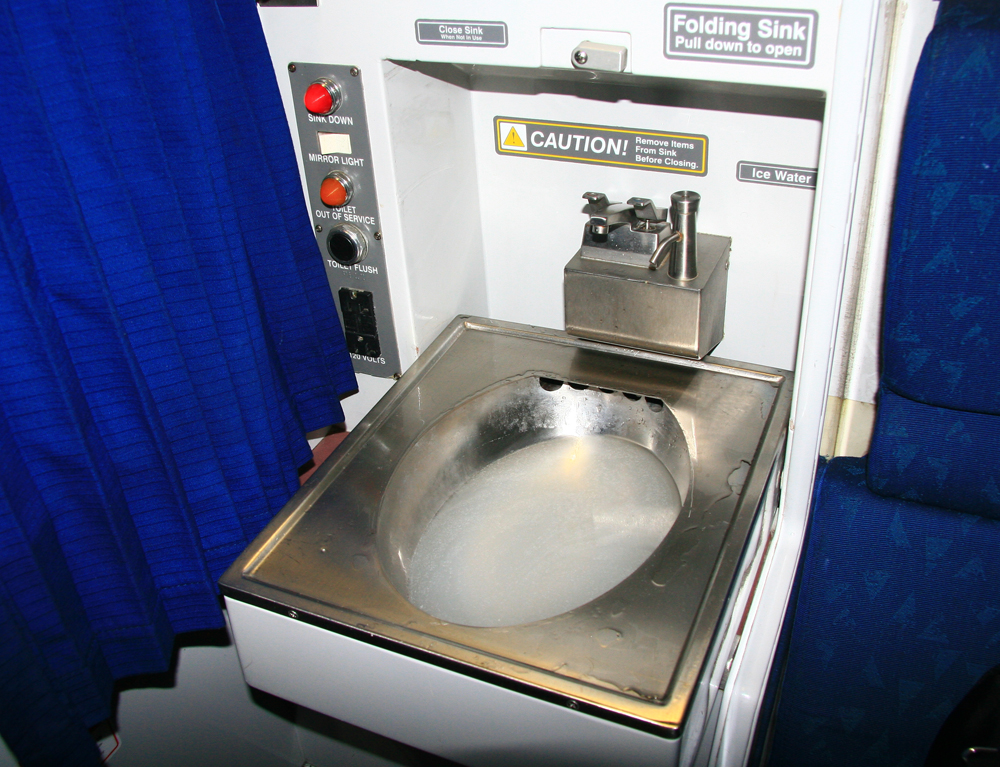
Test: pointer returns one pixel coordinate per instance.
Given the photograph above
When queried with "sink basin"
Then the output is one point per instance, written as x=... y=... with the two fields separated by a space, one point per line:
x=530 y=499
x=562 y=517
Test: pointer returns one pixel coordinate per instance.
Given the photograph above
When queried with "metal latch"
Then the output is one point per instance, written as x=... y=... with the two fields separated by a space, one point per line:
x=607 y=58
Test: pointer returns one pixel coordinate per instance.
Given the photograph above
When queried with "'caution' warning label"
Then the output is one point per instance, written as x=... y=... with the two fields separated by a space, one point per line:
x=602 y=144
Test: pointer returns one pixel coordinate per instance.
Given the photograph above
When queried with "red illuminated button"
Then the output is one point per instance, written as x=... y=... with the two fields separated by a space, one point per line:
x=335 y=190
x=322 y=97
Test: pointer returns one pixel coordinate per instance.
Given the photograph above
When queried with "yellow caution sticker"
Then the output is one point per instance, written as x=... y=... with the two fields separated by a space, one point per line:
x=665 y=151
x=514 y=140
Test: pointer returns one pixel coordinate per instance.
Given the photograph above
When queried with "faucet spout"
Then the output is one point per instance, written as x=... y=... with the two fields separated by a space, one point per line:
x=684 y=220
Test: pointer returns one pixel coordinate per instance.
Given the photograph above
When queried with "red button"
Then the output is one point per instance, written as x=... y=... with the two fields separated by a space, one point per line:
x=318 y=99
x=332 y=193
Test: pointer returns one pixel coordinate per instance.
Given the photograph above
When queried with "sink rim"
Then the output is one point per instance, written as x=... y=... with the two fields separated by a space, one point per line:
x=444 y=644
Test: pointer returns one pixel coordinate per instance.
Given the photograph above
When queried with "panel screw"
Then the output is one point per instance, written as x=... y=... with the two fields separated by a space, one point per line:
x=355 y=71
x=580 y=57
x=396 y=376
x=572 y=703
x=293 y=613
x=291 y=67
x=378 y=235
x=319 y=228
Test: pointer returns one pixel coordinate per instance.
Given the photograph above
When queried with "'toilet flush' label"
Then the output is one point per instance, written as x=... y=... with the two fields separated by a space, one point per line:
x=602 y=145
x=783 y=38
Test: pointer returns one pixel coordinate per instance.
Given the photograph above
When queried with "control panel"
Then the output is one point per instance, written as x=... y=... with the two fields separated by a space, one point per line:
x=336 y=154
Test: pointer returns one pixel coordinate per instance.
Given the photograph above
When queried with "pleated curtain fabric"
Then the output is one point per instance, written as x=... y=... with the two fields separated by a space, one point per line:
x=167 y=335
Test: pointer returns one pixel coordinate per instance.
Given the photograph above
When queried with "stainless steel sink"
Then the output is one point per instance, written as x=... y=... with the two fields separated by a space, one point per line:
x=530 y=499
x=628 y=645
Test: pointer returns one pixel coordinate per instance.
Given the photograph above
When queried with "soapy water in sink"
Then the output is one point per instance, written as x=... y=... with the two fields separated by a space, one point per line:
x=542 y=530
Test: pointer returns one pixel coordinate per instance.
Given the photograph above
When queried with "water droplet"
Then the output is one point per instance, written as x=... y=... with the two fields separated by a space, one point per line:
x=606 y=637
x=617 y=609
x=665 y=573
x=738 y=476
x=323 y=549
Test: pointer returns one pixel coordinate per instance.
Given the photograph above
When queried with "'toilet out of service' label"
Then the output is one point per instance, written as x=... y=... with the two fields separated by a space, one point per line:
x=602 y=144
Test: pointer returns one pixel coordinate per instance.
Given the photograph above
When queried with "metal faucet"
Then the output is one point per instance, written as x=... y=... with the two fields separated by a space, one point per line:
x=644 y=278
x=676 y=240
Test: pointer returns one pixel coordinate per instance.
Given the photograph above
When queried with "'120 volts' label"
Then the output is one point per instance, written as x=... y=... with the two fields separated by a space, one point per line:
x=602 y=145
x=784 y=38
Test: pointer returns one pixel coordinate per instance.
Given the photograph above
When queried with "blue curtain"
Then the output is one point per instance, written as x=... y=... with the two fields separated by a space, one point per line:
x=167 y=335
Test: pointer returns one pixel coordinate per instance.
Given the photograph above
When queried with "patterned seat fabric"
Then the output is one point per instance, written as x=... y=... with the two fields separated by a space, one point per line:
x=897 y=611
x=939 y=417
x=898 y=615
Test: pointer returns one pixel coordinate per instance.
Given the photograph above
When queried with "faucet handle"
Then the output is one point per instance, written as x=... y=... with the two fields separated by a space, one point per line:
x=605 y=214
x=646 y=211
x=597 y=200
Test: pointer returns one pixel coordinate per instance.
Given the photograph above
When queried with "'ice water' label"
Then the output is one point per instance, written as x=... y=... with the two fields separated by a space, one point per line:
x=776 y=175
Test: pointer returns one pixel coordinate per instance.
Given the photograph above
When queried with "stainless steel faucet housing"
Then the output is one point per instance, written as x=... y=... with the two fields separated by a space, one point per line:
x=616 y=291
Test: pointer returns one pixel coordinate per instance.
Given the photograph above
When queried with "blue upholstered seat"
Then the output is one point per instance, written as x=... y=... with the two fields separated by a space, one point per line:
x=937 y=436
x=897 y=616
x=897 y=612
